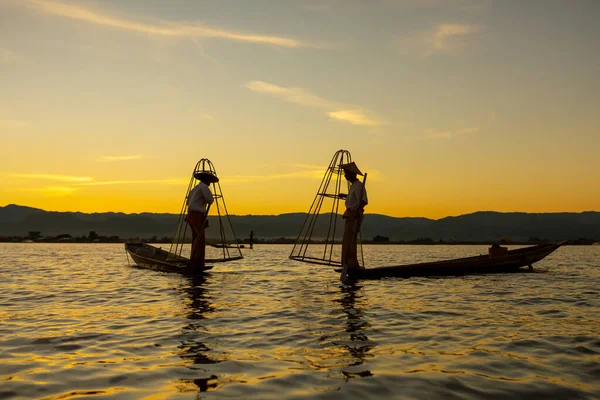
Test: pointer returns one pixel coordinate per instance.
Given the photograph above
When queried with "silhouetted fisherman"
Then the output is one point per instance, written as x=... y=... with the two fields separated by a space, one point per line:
x=356 y=200
x=199 y=200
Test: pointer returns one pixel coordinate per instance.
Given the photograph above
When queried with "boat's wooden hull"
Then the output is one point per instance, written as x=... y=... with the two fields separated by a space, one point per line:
x=513 y=261
x=147 y=256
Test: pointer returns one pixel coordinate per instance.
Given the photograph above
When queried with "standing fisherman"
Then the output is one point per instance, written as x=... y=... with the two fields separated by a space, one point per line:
x=199 y=200
x=356 y=200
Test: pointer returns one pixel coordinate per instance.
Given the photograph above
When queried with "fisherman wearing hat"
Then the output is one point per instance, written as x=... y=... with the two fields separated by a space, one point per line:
x=199 y=200
x=356 y=200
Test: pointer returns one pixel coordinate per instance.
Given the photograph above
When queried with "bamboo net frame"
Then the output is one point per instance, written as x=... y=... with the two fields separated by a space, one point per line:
x=228 y=242
x=327 y=225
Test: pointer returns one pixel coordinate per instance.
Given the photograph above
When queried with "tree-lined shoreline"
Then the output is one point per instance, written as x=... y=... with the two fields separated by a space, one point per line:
x=17 y=224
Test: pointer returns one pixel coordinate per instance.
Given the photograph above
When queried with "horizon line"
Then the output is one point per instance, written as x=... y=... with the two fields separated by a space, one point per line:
x=304 y=212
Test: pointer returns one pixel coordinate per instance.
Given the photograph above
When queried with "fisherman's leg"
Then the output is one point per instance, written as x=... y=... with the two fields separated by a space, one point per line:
x=352 y=256
x=194 y=219
x=346 y=240
x=189 y=221
x=353 y=261
x=352 y=253
x=201 y=243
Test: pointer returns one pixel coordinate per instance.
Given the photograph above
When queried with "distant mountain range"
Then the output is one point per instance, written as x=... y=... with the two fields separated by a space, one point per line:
x=479 y=226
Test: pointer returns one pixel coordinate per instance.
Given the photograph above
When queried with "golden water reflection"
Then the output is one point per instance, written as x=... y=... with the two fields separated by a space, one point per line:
x=342 y=348
x=359 y=344
x=193 y=348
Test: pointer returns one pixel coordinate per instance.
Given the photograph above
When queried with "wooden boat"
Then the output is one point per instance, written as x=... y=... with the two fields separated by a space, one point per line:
x=148 y=256
x=512 y=261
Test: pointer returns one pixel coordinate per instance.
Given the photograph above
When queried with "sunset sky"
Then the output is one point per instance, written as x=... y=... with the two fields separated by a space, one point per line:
x=451 y=106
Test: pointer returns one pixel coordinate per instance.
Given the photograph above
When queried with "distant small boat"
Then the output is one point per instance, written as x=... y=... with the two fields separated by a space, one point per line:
x=512 y=261
x=152 y=257
x=226 y=246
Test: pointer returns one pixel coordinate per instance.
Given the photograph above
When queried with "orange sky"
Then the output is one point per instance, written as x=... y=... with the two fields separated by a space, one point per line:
x=451 y=107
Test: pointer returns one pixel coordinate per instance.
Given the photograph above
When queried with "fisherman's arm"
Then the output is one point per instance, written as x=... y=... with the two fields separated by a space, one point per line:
x=207 y=195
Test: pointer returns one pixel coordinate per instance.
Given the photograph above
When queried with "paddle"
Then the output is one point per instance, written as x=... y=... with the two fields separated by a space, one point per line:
x=344 y=275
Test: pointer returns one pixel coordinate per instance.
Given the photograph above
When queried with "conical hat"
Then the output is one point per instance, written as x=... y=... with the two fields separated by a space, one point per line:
x=206 y=175
x=351 y=167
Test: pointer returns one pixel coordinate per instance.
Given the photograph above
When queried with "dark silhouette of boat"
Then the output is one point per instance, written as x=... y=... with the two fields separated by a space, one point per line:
x=512 y=261
x=148 y=256
x=225 y=246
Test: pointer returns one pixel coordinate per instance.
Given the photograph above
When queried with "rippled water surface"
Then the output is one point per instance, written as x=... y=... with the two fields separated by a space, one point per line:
x=77 y=320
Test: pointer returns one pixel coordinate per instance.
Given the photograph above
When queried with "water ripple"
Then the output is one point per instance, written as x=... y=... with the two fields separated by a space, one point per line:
x=77 y=321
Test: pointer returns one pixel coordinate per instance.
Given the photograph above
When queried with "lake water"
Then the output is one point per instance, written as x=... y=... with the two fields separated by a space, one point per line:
x=76 y=320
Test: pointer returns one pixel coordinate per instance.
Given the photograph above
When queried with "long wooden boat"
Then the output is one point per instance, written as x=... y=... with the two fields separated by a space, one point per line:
x=148 y=256
x=512 y=261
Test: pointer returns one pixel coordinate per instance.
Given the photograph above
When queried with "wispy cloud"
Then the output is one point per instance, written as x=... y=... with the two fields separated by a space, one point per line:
x=291 y=94
x=317 y=6
x=206 y=117
x=136 y=182
x=308 y=174
x=443 y=4
x=161 y=28
x=75 y=183
x=309 y=166
x=450 y=134
x=312 y=172
x=7 y=56
x=335 y=110
x=15 y=123
x=445 y=38
x=119 y=158
x=52 y=177
x=58 y=190
x=300 y=171
x=444 y=35
x=355 y=117
x=49 y=191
